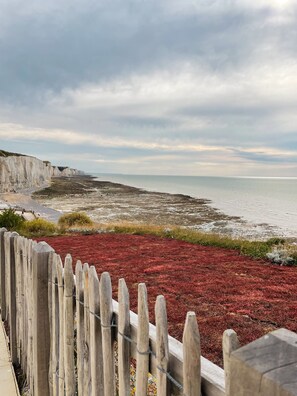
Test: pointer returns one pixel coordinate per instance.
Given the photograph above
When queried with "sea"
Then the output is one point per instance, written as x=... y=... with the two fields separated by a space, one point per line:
x=258 y=200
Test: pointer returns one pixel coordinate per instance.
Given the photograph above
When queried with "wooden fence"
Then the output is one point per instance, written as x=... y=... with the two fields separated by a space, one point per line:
x=70 y=337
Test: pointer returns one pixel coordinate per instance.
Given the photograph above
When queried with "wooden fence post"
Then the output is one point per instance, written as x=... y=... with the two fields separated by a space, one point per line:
x=80 y=335
x=191 y=354
x=69 y=327
x=142 y=342
x=123 y=344
x=230 y=344
x=162 y=351
x=87 y=367
x=2 y=274
x=107 y=342
x=12 y=299
x=266 y=366
x=55 y=327
x=96 y=356
x=60 y=276
x=41 y=333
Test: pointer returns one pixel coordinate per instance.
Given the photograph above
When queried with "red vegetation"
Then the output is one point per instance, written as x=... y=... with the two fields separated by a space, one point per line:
x=225 y=289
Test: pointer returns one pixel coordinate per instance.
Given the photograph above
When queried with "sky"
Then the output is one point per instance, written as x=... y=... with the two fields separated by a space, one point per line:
x=171 y=87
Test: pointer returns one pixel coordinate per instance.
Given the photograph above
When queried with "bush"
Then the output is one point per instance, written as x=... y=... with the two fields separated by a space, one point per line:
x=74 y=219
x=38 y=227
x=10 y=220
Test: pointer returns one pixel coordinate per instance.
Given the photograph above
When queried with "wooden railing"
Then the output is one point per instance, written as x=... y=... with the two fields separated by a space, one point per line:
x=65 y=331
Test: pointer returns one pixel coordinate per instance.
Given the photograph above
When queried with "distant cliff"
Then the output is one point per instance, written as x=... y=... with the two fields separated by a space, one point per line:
x=19 y=171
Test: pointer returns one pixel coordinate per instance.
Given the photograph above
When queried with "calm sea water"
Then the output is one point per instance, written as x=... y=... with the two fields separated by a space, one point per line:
x=257 y=200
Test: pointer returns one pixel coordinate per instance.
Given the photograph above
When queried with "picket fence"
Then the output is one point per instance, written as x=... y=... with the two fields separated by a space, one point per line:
x=65 y=331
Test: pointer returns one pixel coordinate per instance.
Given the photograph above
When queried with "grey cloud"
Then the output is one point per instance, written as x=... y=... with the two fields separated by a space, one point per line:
x=65 y=46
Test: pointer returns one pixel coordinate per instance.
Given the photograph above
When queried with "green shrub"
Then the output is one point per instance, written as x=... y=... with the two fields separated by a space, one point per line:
x=74 y=219
x=10 y=220
x=38 y=227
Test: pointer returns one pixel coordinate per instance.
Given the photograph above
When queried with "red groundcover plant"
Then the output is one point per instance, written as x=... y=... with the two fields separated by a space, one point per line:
x=224 y=288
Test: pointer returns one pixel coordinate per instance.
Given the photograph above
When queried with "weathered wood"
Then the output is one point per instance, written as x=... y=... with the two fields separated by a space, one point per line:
x=265 y=367
x=50 y=309
x=41 y=335
x=61 y=373
x=80 y=336
x=12 y=300
x=18 y=242
x=191 y=355
x=7 y=271
x=107 y=341
x=87 y=367
x=123 y=344
x=230 y=344
x=162 y=351
x=142 y=342
x=96 y=356
x=69 y=328
x=55 y=327
x=2 y=274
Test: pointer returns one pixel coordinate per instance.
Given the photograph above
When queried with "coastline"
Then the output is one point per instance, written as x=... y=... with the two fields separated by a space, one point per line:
x=109 y=202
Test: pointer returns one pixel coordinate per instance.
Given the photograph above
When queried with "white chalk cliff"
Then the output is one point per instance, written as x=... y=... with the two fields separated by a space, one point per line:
x=19 y=172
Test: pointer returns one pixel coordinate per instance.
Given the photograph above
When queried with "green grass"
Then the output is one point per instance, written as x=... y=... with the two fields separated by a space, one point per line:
x=74 y=219
x=254 y=249
x=38 y=228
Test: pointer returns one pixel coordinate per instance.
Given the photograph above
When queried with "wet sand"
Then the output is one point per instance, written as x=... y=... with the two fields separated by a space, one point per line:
x=107 y=202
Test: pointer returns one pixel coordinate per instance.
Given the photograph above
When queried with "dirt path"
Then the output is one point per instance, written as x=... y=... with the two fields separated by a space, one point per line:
x=225 y=289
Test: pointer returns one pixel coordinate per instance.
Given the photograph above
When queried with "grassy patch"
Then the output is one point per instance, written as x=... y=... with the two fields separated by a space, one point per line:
x=74 y=219
x=38 y=228
x=11 y=220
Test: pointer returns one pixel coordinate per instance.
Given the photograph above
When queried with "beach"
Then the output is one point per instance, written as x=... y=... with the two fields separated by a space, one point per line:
x=109 y=202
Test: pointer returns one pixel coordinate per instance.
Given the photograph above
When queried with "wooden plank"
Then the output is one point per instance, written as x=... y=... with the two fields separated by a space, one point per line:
x=107 y=341
x=80 y=336
x=41 y=335
x=12 y=300
x=2 y=274
x=60 y=373
x=191 y=357
x=142 y=361
x=87 y=367
x=123 y=344
x=212 y=376
x=7 y=272
x=50 y=309
x=162 y=350
x=69 y=328
x=96 y=356
x=55 y=327
x=266 y=366
x=230 y=344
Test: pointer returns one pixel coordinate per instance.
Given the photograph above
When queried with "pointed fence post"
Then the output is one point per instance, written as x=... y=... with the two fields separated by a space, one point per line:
x=12 y=299
x=55 y=327
x=230 y=344
x=80 y=334
x=123 y=344
x=162 y=349
x=41 y=333
x=2 y=274
x=107 y=342
x=142 y=342
x=61 y=372
x=87 y=367
x=96 y=356
x=191 y=354
x=69 y=327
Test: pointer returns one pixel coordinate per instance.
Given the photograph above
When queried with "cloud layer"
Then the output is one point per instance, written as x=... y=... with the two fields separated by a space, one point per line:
x=170 y=87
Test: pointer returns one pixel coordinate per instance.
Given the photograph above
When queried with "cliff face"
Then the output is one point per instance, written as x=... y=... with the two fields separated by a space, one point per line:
x=19 y=172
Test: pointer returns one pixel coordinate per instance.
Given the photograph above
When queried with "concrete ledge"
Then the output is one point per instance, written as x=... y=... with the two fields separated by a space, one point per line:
x=8 y=384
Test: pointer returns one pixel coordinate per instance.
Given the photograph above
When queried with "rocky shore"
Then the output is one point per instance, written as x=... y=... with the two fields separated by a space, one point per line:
x=107 y=202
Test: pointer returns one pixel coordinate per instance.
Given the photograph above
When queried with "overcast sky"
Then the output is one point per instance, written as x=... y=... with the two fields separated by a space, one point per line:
x=185 y=87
